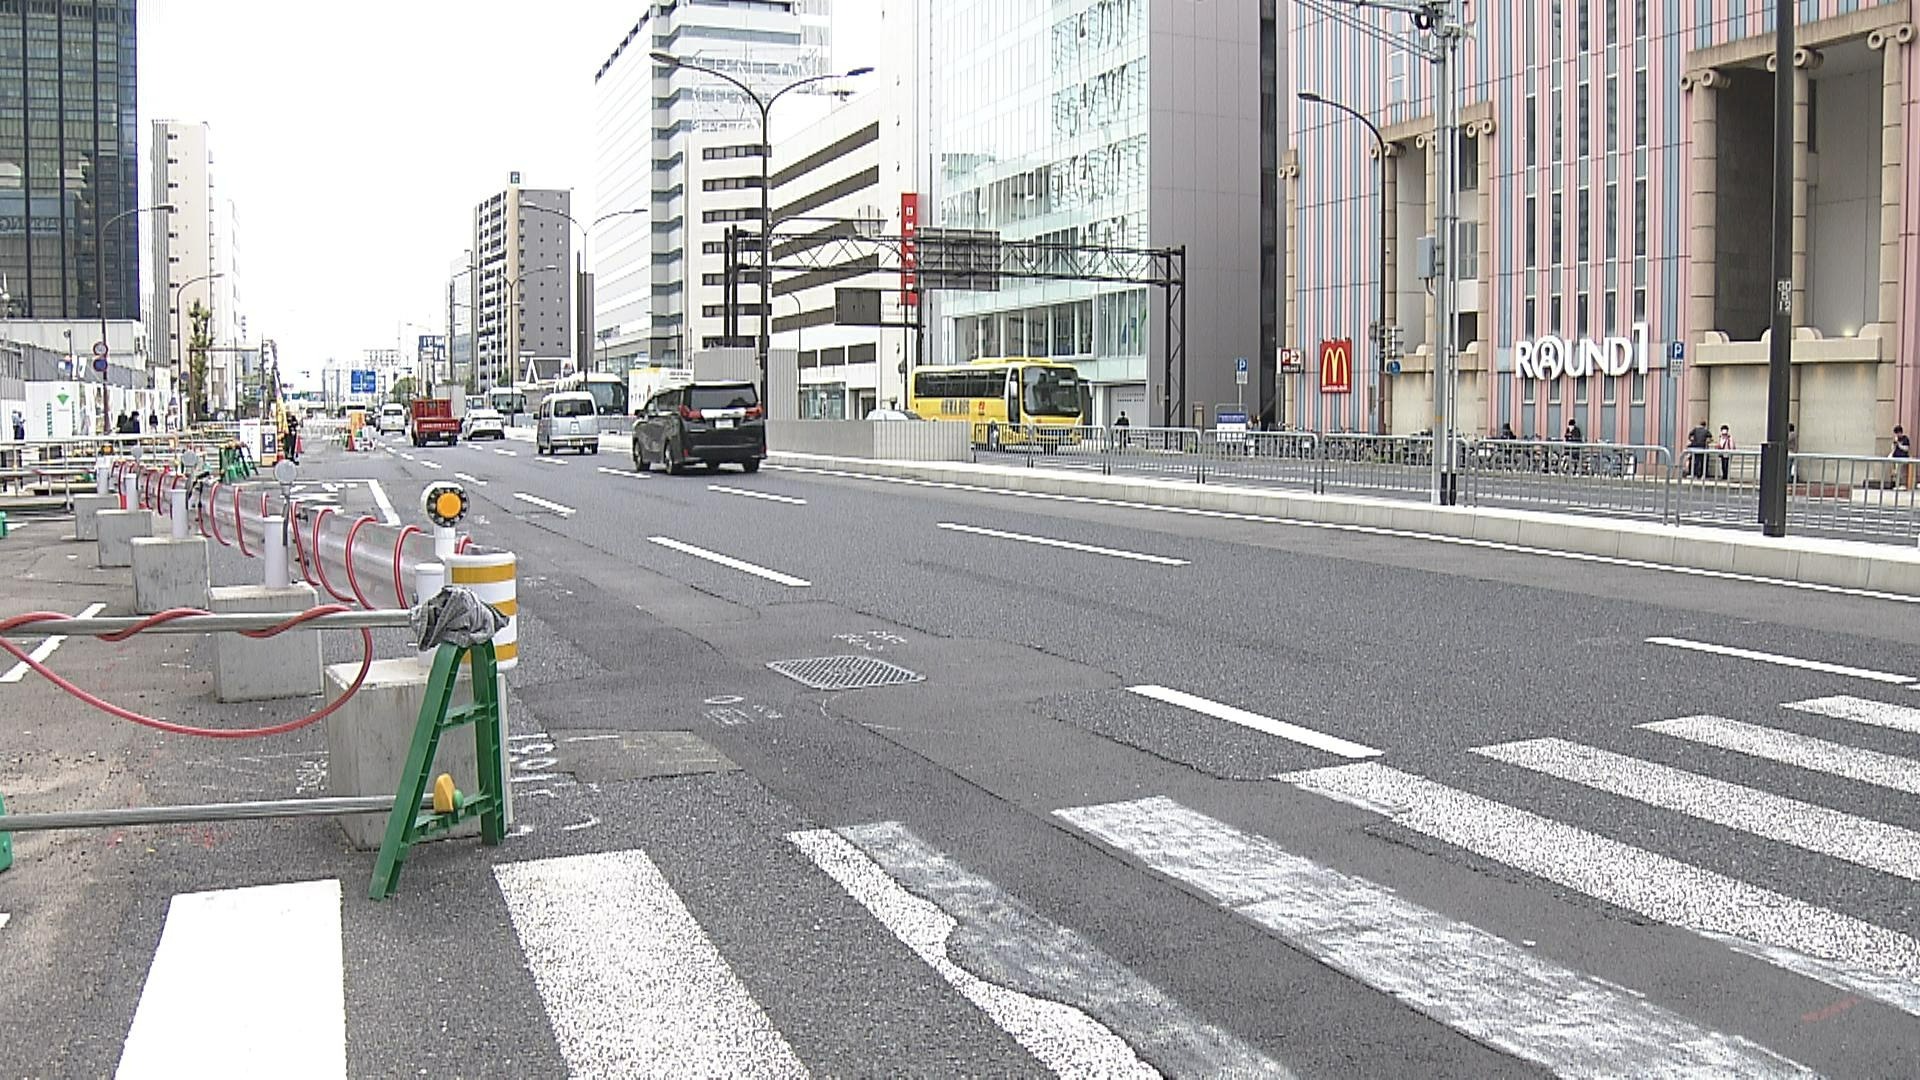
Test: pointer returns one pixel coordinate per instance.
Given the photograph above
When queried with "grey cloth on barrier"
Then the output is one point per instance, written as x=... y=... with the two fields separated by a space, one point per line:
x=455 y=617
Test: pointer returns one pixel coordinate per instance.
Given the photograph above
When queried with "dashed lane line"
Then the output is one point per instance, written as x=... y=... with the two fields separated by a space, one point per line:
x=469 y=478
x=563 y=511
x=1067 y=545
x=764 y=496
x=1782 y=661
x=622 y=472
x=732 y=563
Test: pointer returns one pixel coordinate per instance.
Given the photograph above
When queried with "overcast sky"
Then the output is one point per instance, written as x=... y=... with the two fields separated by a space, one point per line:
x=355 y=137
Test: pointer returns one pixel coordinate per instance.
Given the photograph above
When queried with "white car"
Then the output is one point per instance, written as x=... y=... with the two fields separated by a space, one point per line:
x=392 y=418
x=483 y=423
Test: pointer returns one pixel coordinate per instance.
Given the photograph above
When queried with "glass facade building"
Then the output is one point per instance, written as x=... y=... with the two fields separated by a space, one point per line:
x=69 y=162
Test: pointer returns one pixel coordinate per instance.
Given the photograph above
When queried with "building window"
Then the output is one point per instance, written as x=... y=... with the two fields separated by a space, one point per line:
x=1640 y=18
x=723 y=153
x=1582 y=308
x=1554 y=391
x=1529 y=326
x=1639 y=305
x=730 y=183
x=1612 y=15
x=1533 y=130
x=1613 y=219
x=1580 y=390
x=1557 y=29
x=1640 y=217
x=1556 y=232
x=1533 y=231
x=1467 y=266
x=1468 y=154
x=713 y=216
x=1610 y=309
x=1583 y=24
x=1639 y=389
x=1583 y=123
x=1559 y=125
x=1397 y=78
x=1583 y=219
x=1640 y=106
x=1554 y=324
x=1613 y=113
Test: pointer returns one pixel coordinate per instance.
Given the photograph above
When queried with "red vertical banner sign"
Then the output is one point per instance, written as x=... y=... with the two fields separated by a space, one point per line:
x=909 y=248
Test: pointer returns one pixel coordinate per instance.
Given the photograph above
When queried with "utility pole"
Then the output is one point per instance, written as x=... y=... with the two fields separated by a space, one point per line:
x=1444 y=21
x=1773 y=453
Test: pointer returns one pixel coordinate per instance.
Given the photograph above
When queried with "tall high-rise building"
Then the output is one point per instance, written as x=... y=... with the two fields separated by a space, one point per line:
x=69 y=161
x=685 y=146
x=196 y=260
x=523 y=257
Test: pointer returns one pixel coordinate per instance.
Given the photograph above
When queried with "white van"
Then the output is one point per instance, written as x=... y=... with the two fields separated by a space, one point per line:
x=569 y=419
x=392 y=418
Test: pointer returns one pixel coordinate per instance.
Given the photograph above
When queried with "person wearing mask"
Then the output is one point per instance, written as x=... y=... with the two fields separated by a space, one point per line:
x=1726 y=446
x=1506 y=431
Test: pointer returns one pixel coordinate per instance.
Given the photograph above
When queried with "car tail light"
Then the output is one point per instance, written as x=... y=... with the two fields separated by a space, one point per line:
x=755 y=412
x=687 y=413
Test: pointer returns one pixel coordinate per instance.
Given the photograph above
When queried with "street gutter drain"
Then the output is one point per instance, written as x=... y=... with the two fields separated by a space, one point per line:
x=845 y=673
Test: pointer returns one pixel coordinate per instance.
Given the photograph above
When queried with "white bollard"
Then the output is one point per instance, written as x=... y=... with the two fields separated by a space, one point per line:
x=428 y=581
x=103 y=476
x=276 y=552
x=129 y=491
x=444 y=541
x=177 y=504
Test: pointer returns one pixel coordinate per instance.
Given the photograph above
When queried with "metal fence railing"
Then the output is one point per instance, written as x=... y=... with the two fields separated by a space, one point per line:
x=1595 y=478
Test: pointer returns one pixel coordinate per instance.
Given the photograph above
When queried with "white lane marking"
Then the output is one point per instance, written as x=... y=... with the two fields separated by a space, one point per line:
x=1861 y=711
x=45 y=649
x=408 y=456
x=1332 y=744
x=506 y=453
x=1864 y=842
x=727 y=561
x=1363 y=530
x=469 y=478
x=1494 y=991
x=1809 y=940
x=1783 y=661
x=542 y=460
x=1064 y=1039
x=4 y=920
x=765 y=495
x=431 y=464
x=623 y=472
x=331 y=489
x=536 y=500
x=206 y=1009
x=386 y=505
x=1045 y=541
x=1792 y=748
x=631 y=984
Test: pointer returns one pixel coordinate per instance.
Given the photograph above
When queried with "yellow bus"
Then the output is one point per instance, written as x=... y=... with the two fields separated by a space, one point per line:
x=1009 y=401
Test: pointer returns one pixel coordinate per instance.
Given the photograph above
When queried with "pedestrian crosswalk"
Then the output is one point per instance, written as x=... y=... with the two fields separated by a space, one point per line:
x=632 y=977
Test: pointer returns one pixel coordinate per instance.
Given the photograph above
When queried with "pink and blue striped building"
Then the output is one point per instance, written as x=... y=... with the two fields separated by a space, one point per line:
x=1616 y=167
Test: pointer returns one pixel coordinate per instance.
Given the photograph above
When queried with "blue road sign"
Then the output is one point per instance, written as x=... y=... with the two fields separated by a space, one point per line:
x=1393 y=367
x=1677 y=350
x=1240 y=364
x=363 y=382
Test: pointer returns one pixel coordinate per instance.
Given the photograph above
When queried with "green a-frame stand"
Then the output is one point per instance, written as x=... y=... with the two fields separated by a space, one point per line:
x=409 y=824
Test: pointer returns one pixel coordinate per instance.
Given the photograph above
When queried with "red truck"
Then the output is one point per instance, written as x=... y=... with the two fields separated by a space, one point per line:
x=432 y=419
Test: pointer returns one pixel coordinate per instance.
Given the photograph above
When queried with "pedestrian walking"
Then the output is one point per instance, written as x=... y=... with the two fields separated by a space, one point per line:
x=1793 y=451
x=19 y=426
x=1902 y=456
x=1120 y=426
x=1697 y=441
x=153 y=422
x=290 y=439
x=1725 y=445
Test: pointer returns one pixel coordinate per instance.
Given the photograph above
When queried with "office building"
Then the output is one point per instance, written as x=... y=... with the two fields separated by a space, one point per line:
x=1617 y=192
x=1108 y=123
x=519 y=287
x=685 y=146
x=196 y=261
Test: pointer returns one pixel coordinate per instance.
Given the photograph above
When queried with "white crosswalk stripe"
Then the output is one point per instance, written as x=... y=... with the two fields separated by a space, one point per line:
x=1456 y=973
x=1792 y=748
x=1805 y=938
x=631 y=983
x=1863 y=841
x=1862 y=711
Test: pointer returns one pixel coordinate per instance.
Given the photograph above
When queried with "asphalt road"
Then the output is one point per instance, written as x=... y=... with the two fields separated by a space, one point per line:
x=1159 y=790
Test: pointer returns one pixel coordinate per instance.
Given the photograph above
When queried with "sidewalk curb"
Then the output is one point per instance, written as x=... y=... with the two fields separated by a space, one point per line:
x=1846 y=564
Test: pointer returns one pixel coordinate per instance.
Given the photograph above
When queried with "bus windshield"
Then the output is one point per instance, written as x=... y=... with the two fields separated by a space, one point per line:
x=1051 y=391
x=609 y=397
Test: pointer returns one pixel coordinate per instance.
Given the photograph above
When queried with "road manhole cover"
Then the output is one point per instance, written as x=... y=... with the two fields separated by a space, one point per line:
x=845 y=672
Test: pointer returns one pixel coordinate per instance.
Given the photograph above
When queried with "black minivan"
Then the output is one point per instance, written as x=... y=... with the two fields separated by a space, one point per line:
x=702 y=423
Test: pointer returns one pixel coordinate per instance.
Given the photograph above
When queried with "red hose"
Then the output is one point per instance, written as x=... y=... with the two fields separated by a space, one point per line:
x=213 y=496
x=366 y=663
x=353 y=579
x=239 y=525
x=465 y=543
x=319 y=563
x=399 y=586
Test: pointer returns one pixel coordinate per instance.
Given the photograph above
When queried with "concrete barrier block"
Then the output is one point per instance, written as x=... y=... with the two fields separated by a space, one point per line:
x=1498 y=528
x=1703 y=552
x=1651 y=544
x=1766 y=560
x=369 y=737
x=169 y=573
x=245 y=669
x=1891 y=575
x=117 y=528
x=86 y=525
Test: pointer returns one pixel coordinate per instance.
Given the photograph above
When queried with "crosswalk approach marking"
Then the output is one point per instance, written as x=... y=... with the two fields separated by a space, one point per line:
x=245 y=982
x=1889 y=771
x=1809 y=940
x=631 y=984
x=1782 y=660
x=1861 y=711
x=1319 y=740
x=1861 y=841
x=1473 y=981
x=1069 y=1023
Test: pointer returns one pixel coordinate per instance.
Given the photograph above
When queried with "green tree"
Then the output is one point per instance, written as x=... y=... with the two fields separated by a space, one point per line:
x=402 y=390
x=197 y=345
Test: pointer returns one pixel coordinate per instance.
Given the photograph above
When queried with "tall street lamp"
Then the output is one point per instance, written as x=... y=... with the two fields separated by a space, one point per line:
x=766 y=186
x=513 y=326
x=585 y=231
x=181 y=400
x=1380 y=311
x=100 y=287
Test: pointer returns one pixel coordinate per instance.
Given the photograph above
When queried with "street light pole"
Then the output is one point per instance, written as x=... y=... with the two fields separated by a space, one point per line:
x=1774 y=464
x=1380 y=309
x=100 y=285
x=766 y=190
x=180 y=344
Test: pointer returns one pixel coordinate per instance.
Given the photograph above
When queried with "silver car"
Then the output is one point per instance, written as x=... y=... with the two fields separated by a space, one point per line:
x=567 y=420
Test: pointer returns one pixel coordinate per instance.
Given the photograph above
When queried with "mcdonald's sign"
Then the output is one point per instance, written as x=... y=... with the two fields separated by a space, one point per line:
x=1336 y=366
